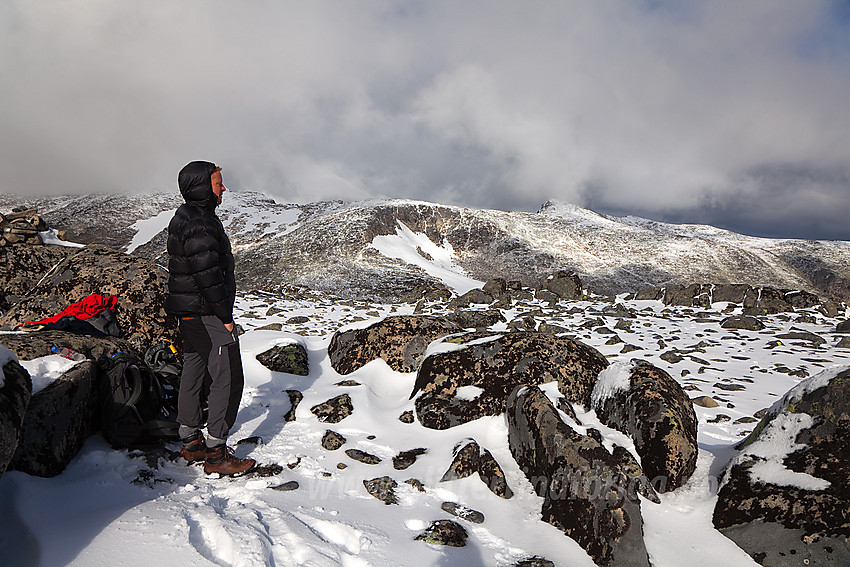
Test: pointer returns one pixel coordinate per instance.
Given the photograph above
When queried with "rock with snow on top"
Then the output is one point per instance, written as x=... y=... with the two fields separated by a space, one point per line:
x=334 y=410
x=652 y=408
x=57 y=422
x=400 y=341
x=496 y=363
x=444 y=532
x=785 y=498
x=588 y=492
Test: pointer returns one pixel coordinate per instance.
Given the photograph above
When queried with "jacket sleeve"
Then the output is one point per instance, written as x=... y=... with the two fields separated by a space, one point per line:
x=201 y=249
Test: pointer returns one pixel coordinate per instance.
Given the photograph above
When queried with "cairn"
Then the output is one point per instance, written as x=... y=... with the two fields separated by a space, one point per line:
x=22 y=226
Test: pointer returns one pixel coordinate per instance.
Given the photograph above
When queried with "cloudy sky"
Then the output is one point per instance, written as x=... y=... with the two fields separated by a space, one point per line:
x=734 y=113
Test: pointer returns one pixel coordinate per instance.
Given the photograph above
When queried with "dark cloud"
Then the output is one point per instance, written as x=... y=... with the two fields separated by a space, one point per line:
x=728 y=113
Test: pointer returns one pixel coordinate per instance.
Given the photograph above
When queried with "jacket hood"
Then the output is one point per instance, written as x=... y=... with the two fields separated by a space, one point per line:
x=196 y=186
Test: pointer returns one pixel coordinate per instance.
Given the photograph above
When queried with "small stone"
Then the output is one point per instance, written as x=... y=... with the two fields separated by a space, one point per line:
x=363 y=456
x=334 y=410
x=719 y=418
x=286 y=486
x=406 y=417
x=406 y=458
x=348 y=383
x=250 y=441
x=417 y=484
x=463 y=512
x=332 y=440
x=729 y=387
x=266 y=470
x=382 y=488
x=295 y=398
x=535 y=562
x=705 y=402
x=444 y=532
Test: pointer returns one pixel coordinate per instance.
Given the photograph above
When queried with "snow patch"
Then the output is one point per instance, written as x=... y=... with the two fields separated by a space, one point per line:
x=148 y=228
x=616 y=378
x=45 y=370
x=777 y=441
x=50 y=236
x=417 y=249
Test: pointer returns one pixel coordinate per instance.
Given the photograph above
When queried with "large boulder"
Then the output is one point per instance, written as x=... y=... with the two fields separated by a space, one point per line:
x=768 y=301
x=15 y=392
x=494 y=364
x=57 y=422
x=564 y=284
x=730 y=293
x=139 y=284
x=644 y=402
x=401 y=341
x=589 y=493
x=35 y=344
x=785 y=499
x=23 y=267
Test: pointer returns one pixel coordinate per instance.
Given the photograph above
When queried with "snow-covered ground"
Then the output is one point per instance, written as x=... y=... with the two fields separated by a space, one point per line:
x=115 y=508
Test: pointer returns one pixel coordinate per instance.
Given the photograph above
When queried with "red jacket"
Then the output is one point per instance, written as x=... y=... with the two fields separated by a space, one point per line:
x=85 y=309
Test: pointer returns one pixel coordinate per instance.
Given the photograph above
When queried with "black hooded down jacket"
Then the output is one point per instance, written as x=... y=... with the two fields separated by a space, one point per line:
x=200 y=265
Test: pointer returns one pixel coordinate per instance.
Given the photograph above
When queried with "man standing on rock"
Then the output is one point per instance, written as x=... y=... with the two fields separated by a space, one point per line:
x=201 y=293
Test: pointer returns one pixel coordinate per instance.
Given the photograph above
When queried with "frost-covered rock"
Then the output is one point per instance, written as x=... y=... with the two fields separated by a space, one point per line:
x=589 y=493
x=644 y=402
x=58 y=420
x=400 y=341
x=15 y=392
x=786 y=498
x=495 y=364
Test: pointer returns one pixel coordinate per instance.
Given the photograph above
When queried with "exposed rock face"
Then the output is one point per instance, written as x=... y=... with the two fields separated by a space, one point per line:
x=23 y=267
x=400 y=341
x=497 y=363
x=58 y=420
x=139 y=284
x=36 y=344
x=755 y=300
x=794 y=509
x=658 y=415
x=291 y=359
x=589 y=493
x=564 y=284
x=14 y=399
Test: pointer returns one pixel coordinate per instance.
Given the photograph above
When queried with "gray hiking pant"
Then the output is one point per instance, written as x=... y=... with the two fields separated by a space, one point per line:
x=210 y=352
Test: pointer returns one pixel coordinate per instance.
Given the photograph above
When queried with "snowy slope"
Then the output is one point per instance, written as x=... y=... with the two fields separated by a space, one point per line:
x=339 y=247
x=113 y=507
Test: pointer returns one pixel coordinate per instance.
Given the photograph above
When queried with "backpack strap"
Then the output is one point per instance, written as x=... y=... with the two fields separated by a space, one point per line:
x=135 y=376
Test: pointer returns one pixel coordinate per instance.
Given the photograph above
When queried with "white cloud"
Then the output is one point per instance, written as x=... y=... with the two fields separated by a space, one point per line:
x=651 y=106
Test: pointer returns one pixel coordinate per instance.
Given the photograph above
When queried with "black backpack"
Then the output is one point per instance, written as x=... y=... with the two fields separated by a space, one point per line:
x=133 y=412
x=162 y=359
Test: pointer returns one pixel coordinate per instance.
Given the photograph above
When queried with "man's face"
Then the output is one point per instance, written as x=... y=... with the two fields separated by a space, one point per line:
x=217 y=185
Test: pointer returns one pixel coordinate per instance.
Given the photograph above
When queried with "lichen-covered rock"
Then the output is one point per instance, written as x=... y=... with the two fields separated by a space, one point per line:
x=289 y=358
x=588 y=493
x=35 y=344
x=469 y=459
x=564 y=284
x=382 y=488
x=473 y=296
x=400 y=341
x=496 y=363
x=140 y=285
x=23 y=267
x=743 y=322
x=444 y=532
x=476 y=319
x=334 y=410
x=794 y=508
x=657 y=414
x=768 y=301
x=57 y=422
x=363 y=456
x=15 y=395
x=406 y=458
x=332 y=440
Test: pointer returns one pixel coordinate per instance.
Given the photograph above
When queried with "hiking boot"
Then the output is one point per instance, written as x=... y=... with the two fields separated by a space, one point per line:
x=194 y=448
x=221 y=460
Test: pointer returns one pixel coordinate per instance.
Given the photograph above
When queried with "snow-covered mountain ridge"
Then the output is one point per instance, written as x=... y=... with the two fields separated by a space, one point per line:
x=380 y=247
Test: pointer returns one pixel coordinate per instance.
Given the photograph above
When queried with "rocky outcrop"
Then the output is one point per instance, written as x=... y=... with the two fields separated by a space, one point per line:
x=58 y=420
x=564 y=284
x=785 y=499
x=139 y=284
x=589 y=493
x=654 y=410
x=37 y=344
x=497 y=363
x=754 y=300
x=23 y=267
x=289 y=358
x=15 y=392
x=401 y=341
